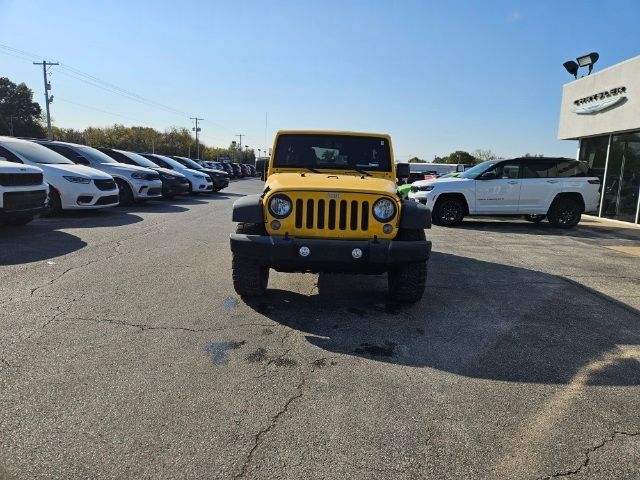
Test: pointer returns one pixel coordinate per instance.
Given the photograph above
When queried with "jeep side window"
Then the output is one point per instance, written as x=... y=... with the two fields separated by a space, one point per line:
x=506 y=170
x=536 y=169
x=568 y=168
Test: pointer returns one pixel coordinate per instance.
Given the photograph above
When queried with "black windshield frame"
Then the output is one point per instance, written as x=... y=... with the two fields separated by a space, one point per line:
x=320 y=151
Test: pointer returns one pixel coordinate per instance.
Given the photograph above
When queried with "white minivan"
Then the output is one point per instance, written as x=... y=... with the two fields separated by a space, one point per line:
x=23 y=193
x=72 y=186
x=134 y=183
x=559 y=189
x=198 y=181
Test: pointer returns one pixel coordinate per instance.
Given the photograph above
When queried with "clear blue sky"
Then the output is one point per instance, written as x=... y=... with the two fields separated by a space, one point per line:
x=437 y=76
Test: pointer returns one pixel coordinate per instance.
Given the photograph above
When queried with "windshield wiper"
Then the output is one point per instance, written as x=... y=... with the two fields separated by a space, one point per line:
x=361 y=172
x=312 y=170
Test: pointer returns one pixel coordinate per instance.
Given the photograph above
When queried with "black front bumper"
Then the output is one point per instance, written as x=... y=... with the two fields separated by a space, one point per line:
x=174 y=187
x=283 y=254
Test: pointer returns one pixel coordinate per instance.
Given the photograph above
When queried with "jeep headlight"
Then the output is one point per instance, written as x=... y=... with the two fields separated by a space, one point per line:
x=280 y=205
x=384 y=210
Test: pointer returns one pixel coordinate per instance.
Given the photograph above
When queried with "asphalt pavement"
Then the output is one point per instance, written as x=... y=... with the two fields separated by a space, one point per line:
x=125 y=353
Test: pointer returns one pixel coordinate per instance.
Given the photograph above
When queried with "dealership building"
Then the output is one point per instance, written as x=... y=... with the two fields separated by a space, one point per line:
x=602 y=112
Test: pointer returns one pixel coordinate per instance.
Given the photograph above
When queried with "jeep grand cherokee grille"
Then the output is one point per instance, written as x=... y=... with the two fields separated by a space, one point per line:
x=20 y=179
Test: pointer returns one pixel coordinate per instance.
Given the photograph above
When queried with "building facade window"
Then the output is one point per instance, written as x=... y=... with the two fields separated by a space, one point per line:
x=593 y=152
x=615 y=159
x=622 y=185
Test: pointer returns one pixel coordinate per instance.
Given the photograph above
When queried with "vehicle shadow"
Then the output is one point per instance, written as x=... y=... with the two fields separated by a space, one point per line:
x=35 y=242
x=109 y=217
x=584 y=229
x=477 y=319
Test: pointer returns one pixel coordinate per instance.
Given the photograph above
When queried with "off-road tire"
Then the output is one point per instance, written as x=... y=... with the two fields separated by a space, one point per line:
x=250 y=279
x=16 y=221
x=449 y=211
x=407 y=281
x=124 y=193
x=564 y=213
x=534 y=218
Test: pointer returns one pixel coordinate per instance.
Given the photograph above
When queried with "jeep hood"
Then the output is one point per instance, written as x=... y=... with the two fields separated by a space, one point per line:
x=329 y=182
x=440 y=181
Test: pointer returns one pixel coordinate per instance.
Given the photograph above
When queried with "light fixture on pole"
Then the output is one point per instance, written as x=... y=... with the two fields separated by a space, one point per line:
x=583 y=61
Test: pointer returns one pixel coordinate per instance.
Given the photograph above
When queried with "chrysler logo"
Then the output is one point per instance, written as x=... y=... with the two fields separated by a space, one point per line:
x=598 y=106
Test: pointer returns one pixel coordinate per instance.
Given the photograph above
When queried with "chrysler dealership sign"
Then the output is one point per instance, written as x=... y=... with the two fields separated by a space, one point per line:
x=600 y=101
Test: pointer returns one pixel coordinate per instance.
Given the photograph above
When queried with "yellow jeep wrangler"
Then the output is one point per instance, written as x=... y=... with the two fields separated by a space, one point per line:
x=330 y=204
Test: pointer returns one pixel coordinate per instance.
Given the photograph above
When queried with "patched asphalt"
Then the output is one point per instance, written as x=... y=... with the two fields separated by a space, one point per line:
x=125 y=353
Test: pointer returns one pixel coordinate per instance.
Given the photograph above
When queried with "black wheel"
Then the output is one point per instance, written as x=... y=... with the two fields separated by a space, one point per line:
x=407 y=281
x=168 y=196
x=191 y=188
x=250 y=279
x=564 y=213
x=534 y=218
x=55 y=203
x=448 y=211
x=17 y=221
x=124 y=192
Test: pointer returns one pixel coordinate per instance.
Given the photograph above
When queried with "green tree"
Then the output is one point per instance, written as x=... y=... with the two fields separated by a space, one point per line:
x=484 y=155
x=417 y=160
x=18 y=108
x=460 y=156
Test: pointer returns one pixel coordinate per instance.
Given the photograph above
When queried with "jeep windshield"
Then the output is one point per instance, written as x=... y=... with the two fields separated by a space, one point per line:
x=332 y=152
x=478 y=169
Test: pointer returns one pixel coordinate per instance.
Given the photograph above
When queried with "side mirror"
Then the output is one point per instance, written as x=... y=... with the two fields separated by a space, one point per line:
x=402 y=170
x=487 y=176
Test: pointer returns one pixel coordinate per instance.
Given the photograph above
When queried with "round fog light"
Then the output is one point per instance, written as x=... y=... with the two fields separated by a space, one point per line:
x=275 y=224
x=387 y=228
x=304 y=251
x=356 y=253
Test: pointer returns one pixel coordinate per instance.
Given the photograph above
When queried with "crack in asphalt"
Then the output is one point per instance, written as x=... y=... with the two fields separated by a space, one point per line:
x=144 y=327
x=274 y=421
x=587 y=453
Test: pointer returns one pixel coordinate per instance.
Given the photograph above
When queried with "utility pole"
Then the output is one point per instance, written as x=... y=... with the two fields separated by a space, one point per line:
x=240 y=142
x=11 y=120
x=47 y=99
x=197 y=130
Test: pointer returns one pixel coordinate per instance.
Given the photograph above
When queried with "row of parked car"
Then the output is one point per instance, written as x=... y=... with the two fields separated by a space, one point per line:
x=39 y=175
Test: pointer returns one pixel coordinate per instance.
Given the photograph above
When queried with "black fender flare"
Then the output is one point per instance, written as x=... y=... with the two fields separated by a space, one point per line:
x=415 y=215
x=248 y=209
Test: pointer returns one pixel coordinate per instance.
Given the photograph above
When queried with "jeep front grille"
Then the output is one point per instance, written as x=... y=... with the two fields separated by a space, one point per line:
x=331 y=214
x=322 y=215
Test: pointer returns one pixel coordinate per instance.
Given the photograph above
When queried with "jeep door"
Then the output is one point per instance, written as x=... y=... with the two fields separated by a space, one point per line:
x=498 y=189
x=539 y=185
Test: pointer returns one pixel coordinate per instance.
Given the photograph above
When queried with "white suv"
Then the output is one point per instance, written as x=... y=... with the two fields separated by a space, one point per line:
x=23 y=193
x=198 y=181
x=134 y=183
x=71 y=186
x=556 y=188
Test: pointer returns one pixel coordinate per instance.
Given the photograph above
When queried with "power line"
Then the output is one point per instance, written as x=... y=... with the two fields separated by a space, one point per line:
x=96 y=82
x=98 y=109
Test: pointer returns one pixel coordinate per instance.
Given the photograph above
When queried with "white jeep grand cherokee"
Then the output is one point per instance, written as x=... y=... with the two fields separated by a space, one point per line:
x=556 y=188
